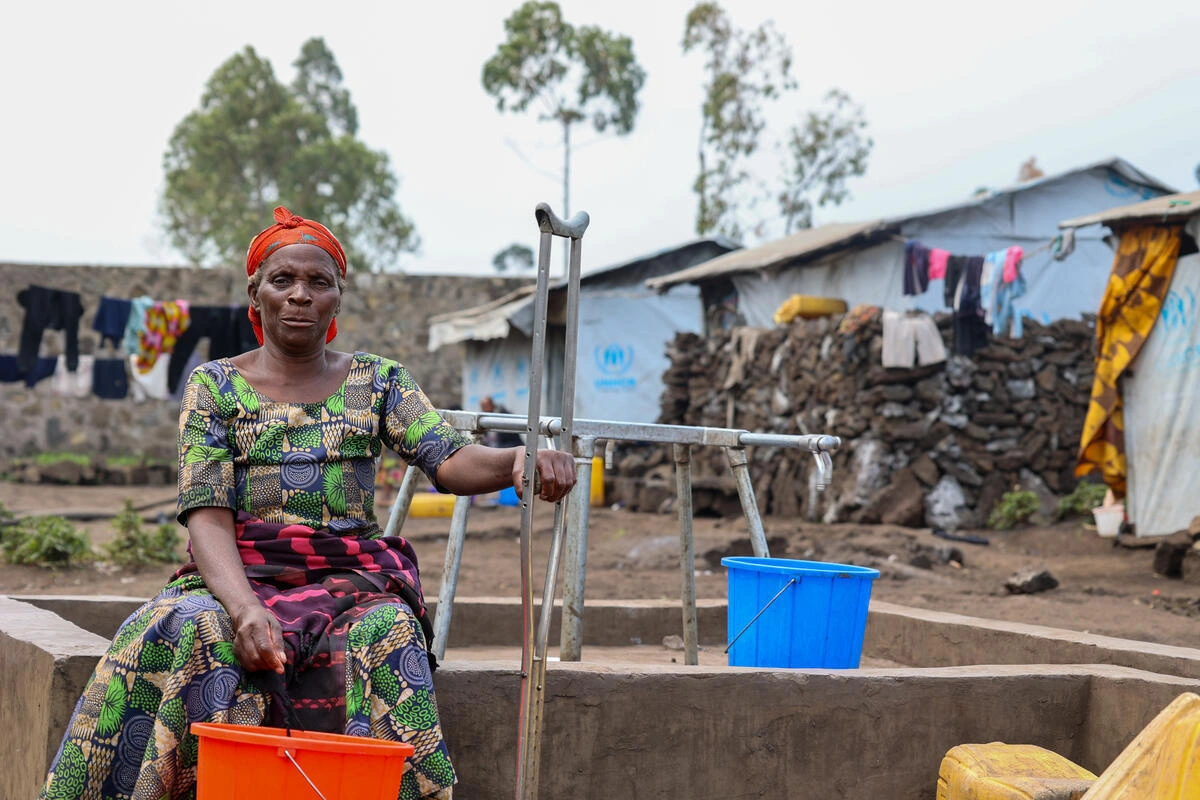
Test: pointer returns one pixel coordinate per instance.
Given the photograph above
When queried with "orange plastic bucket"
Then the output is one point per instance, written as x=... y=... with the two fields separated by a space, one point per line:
x=240 y=762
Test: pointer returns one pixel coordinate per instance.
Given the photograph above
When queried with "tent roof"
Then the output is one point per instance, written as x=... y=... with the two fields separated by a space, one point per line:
x=495 y=319
x=1173 y=206
x=808 y=245
x=488 y=321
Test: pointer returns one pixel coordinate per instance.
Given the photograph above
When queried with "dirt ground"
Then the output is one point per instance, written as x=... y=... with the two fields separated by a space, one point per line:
x=1103 y=588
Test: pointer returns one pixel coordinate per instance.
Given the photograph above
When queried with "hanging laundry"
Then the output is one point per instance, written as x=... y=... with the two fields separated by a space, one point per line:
x=970 y=330
x=112 y=317
x=150 y=384
x=77 y=383
x=937 y=263
x=1005 y=294
x=138 y=307
x=48 y=308
x=1064 y=245
x=989 y=283
x=165 y=323
x=194 y=360
x=1012 y=263
x=916 y=268
x=11 y=372
x=911 y=338
x=227 y=329
x=954 y=271
x=109 y=380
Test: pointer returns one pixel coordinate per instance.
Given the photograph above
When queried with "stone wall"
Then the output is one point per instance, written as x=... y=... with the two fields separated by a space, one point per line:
x=386 y=314
x=935 y=445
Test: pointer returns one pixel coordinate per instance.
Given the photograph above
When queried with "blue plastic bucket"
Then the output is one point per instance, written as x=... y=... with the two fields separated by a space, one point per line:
x=816 y=621
x=508 y=497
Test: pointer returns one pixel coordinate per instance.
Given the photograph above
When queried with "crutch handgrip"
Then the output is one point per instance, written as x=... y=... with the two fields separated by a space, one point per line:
x=549 y=222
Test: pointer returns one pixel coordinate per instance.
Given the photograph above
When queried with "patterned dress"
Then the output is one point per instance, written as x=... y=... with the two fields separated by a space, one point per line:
x=300 y=478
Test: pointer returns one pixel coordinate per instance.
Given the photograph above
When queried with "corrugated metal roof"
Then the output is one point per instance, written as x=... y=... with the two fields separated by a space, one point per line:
x=495 y=319
x=808 y=245
x=808 y=242
x=487 y=321
x=1177 y=206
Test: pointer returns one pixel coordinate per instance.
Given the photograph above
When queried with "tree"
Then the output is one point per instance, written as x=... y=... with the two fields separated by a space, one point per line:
x=255 y=143
x=743 y=70
x=518 y=256
x=825 y=150
x=575 y=74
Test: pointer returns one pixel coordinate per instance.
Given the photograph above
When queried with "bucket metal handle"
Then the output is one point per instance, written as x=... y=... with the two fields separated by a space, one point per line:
x=303 y=774
x=761 y=611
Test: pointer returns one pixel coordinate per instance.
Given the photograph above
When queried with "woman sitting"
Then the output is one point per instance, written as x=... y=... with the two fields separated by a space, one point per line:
x=293 y=595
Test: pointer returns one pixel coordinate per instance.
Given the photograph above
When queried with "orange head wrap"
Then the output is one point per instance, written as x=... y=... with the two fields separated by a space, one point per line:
x=291 y=229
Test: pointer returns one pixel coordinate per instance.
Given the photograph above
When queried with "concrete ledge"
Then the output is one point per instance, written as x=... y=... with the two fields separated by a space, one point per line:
x=897 y=634
x=678 y=731
x=44 y=663
x=921 y=638
x=102 y=614
x=700 y=732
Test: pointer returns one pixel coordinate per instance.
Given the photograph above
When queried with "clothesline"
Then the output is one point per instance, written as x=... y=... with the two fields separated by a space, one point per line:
x=154 y=338
x=1040 y=248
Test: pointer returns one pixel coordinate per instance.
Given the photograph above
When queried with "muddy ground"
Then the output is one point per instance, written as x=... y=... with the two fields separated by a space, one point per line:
x=1103 y=588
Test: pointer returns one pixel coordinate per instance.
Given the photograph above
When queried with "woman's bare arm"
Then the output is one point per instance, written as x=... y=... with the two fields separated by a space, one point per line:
x=258 y=639
x=475 y=469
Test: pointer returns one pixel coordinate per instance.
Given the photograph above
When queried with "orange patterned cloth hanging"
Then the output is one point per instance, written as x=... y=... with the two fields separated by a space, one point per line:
x=1141 y=276
x=165 y=323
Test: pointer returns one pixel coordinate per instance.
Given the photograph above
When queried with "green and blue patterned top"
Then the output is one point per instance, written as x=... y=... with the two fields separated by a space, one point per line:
x=310 y=464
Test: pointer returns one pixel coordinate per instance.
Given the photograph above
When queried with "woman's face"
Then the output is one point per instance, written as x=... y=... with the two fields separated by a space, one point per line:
x=297 y=296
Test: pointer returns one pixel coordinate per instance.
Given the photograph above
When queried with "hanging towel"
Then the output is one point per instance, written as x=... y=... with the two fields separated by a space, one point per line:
x=77 y=383
x=937 y=263
x=112 y=317
x=165 y=323
x=136 y=324
x=1012 y=263
x=108 y=378
x=48 y=308
x=151 y=384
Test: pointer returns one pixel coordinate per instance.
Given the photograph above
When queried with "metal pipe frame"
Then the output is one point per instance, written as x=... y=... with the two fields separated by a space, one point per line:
x=450 y=570
x=478 y=422
x=402 y=503
x=575 y=566
x=687 y=552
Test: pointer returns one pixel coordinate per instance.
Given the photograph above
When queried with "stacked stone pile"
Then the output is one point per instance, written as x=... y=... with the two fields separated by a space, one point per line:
x=934 y=445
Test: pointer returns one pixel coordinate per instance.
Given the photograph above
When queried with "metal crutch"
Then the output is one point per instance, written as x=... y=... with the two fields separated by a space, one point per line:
x=533 y=653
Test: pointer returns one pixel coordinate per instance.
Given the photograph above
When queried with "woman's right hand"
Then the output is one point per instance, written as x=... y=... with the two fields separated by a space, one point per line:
x=258 y=640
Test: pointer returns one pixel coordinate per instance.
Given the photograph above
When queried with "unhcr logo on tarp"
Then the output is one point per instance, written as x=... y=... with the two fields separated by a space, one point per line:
x=614 y=360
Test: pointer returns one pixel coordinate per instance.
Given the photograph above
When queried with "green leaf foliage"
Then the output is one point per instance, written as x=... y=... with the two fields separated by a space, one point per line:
x=824 y=149
x=1082 y=499
x=133 y=546
x=745 y=71
x=45 y=541
x=1013 y=509
x=572 y=74
x=255 y=143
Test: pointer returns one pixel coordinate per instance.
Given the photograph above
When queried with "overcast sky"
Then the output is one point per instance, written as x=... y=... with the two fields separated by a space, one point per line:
x=957 y=95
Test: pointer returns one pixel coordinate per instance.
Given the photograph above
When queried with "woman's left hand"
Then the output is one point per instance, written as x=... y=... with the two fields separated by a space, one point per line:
x=555 y=473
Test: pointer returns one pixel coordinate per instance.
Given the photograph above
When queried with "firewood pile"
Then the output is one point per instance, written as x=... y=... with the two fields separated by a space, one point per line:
x=932 y=445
